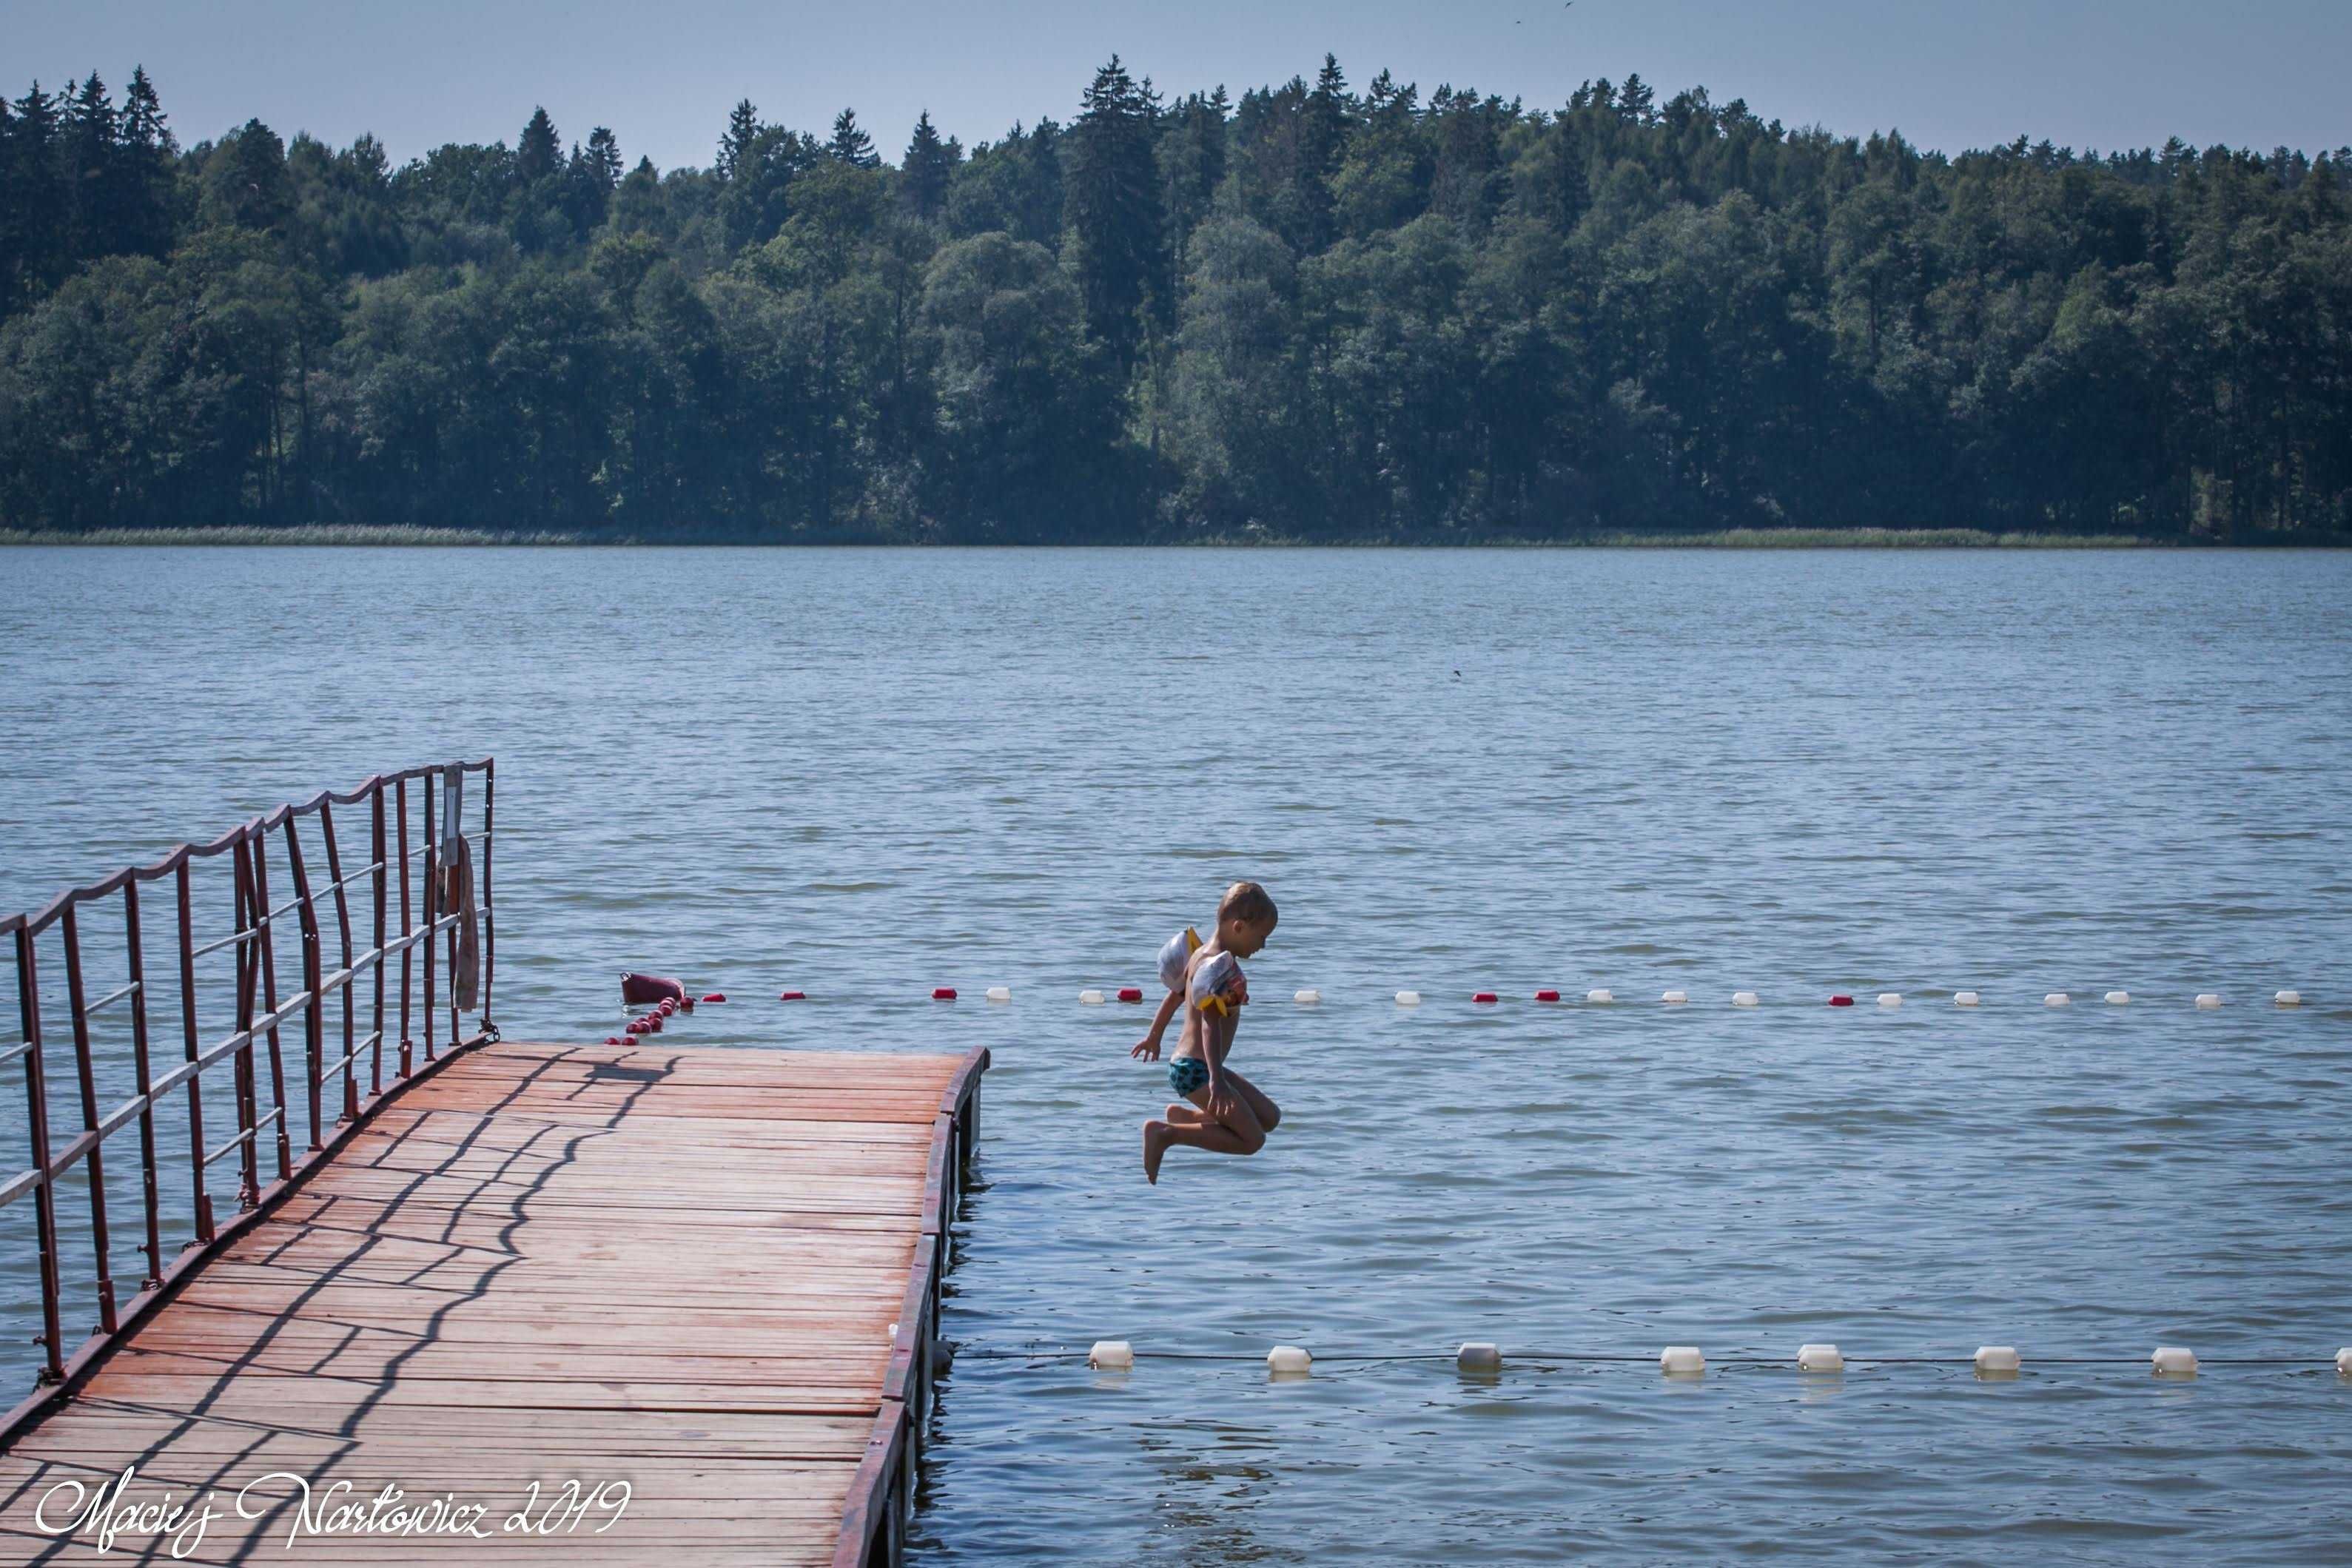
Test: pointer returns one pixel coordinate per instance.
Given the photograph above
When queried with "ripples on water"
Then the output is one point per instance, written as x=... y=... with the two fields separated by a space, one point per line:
x=867 y=773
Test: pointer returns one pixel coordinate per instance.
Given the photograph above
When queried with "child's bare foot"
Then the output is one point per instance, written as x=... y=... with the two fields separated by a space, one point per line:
x=1156 y=1138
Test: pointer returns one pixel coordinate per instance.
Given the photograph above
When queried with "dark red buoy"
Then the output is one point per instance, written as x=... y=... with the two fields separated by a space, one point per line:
x=653 y=1023
x=715 y=997
x=1483 y=996
x=1546 y=996
x=943 y=993
x=792 y=996
x=1131 y=993
x=615 y=1039
x=643 y=990
x=1841 y=1001
x=668 y=1005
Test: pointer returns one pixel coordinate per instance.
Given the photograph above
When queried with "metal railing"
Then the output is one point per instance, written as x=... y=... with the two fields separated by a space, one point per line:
x=244 y=980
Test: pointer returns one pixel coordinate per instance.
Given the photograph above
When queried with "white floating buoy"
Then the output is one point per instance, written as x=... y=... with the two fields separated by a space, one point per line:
x=2119 y=998
x=1091 y=999
x=1681 y=1360
x=1308 y=996
x=2208 y=1000
x=1289 y=1359
x=1997 y=1358
x=1676 y=998
x=1408 y=998
x=2289 y=999
x=1743 y=999
x=1598 y=994
x=1477 y=1355
x=2057 y=1000
x=1111 y=1355
x=1820 y=1358
x=1000 y=993
x=2174 y=1361
x=1964 y=999
x=2343 y=1361
x=1890 y=998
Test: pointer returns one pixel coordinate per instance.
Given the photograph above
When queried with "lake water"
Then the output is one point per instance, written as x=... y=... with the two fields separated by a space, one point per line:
x=867 y=773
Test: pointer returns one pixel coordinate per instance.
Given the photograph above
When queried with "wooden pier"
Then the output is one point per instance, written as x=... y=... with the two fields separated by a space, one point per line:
x=713 y=1275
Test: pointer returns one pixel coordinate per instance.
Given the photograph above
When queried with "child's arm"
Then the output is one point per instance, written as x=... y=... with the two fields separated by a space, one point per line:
x=1148 y=1047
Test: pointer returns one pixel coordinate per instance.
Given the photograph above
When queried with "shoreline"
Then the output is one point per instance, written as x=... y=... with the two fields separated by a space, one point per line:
x=397 y=536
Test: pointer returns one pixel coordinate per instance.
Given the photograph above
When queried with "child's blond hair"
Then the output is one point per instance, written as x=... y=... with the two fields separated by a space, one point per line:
x=1247 y=902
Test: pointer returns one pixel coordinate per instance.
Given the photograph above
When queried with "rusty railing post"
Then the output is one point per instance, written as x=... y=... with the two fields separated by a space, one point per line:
x=249 y=1088
x=453 y=822
x=407 y=949
x=266 y=924
x=382 y=874
x=343 y=927
x=196 y=1164
x=149 y=1190
x=93 y=1161
x=314 y=1007
x=36 y=1121
x=432 y=898
x=489 y=915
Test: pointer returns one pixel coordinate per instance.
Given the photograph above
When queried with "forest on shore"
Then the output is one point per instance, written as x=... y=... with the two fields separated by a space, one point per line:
x=1317 y=313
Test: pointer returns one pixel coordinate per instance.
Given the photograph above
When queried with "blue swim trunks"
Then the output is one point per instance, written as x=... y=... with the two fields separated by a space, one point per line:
x=1187 y=1075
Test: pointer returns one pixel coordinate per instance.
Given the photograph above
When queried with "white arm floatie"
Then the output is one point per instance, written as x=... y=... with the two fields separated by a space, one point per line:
x=1218 y=986
x=1174 y=955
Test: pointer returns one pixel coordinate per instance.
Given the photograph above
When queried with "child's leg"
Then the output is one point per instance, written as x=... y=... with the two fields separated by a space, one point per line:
x=1179 y=1114
x=1215 y=1137
x=1242 y=1133
x=1268 y=1113
x=1242 y=1120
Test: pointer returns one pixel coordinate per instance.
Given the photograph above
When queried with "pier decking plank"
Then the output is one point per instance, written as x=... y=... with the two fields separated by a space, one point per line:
x=675 y=1268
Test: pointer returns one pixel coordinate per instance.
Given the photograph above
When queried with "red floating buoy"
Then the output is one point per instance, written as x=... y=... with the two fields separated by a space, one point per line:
x=615 y=1039
x=1131 y=993
x=1841 y=1001
x=1483 y=996
x=642 y=990
x=668 y=1006
x=635 y=1026
x=715 y=997
x=653 y=1023
x=1546 y=996
x=943 y=993
x=792 y=996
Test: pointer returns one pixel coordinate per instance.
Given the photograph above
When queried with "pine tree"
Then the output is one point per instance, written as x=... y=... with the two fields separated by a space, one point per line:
x=145 y=153
x=87 y=148
x=32 y=203
x=1324 y=123
x=742 y=130
x=8 y=221
x=1114 y=212
x=851 y=145
x=924 y=171
x=1635 y=101
x=604 y=156
x=538 y=151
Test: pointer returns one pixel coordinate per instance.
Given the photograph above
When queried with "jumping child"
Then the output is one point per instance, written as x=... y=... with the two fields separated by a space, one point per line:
x=1225 y=1113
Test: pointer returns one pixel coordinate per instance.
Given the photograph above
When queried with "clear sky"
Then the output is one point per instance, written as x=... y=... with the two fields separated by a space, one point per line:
x=1949 y=75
